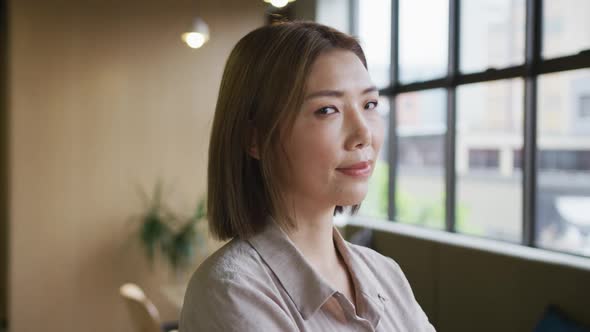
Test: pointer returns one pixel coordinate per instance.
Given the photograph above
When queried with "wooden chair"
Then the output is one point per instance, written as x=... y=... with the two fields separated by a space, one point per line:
x=144 y=314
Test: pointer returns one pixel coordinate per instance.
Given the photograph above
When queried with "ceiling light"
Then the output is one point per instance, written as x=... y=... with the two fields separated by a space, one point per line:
x=199 y=34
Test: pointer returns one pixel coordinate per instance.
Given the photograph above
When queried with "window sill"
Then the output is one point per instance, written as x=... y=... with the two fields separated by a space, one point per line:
x=471 y=242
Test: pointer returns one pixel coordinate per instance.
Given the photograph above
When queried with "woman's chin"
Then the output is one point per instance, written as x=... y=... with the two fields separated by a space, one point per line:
x=352 y=197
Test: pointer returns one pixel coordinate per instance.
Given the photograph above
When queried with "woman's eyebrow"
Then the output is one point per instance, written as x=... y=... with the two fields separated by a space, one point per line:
x=336 y=93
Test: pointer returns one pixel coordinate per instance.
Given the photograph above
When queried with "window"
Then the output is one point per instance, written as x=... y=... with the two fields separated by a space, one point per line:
x=422 y=39
x=563 y=162
x=566 y=28
x=489 y=115
x=492 y=35
x=374 y=21
x=421 y=131
x=484 y=159
x=584 y=109
x=517 y=160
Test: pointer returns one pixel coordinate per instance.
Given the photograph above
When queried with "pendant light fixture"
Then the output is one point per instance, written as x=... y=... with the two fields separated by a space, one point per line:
x=199 y=34
x=279 y=3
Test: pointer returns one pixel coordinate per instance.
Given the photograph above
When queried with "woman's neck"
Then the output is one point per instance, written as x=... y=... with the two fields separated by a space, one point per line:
x=314 y=238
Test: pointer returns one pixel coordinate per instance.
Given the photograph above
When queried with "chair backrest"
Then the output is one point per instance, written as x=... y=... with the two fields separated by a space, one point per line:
x=144 y=314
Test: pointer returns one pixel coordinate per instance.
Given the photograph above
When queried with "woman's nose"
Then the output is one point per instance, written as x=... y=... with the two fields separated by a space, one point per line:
x=359 y=131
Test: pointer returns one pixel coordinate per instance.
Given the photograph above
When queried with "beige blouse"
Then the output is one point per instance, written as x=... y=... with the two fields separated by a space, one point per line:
x=265 y=284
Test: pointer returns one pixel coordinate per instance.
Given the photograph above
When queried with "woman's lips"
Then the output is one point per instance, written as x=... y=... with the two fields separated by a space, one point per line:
x=361 y=169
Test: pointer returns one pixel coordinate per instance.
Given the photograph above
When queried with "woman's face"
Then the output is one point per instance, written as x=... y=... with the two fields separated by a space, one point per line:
x=336 y=135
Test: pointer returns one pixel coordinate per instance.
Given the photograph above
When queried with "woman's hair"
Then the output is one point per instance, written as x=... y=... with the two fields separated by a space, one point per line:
x=261 y=91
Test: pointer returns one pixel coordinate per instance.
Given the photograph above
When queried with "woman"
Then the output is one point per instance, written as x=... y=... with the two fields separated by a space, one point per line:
x=294 y=140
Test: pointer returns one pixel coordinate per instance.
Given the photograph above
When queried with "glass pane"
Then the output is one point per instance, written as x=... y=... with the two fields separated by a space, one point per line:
x=376 y=203
x=423 y=39
x=374 y=28
x=420 y=186
x=333 y=13
x=566 y=27
x=489 y=131
x=492 y=34
x=563 y=162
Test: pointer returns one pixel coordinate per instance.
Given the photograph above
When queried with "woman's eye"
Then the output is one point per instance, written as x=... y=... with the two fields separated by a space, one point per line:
x=326 y=110
x=372 y=105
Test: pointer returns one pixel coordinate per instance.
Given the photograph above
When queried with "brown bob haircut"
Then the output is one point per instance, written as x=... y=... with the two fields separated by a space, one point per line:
x=261 y=91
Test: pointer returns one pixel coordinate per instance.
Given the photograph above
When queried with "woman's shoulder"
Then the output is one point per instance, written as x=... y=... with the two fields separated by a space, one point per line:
x=378 y=264
x=232 y=290
x=371 y=256
x=226 y=273
x=235 y=258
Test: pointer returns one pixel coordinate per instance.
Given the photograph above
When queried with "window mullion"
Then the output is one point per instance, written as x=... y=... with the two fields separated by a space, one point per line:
x=394 y=78
x=353 y=20
x=450 y=137
x=532 y=58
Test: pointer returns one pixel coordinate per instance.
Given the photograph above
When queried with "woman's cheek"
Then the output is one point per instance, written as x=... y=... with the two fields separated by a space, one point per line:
x=313 y=143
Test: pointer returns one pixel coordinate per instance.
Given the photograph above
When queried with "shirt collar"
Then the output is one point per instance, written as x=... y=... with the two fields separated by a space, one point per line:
x=308 y=290
x=371 y=302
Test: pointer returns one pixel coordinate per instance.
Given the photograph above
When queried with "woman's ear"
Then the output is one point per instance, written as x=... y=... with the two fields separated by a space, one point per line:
x=253 y=152
x=253 y=146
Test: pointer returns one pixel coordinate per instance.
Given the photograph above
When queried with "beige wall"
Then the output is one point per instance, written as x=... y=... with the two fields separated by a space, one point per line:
x=3 y=166
x=103 y=96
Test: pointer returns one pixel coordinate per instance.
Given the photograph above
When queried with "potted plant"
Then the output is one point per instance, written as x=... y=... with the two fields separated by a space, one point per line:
x=169 y=235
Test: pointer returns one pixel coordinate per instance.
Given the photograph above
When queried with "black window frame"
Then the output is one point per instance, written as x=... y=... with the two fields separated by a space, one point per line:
x=534 y=66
